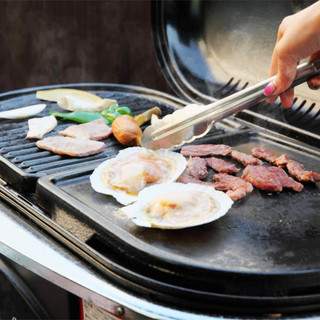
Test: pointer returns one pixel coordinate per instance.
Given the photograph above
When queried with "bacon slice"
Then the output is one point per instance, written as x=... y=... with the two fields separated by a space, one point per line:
x=185 y=178
x=262 y=178
x=206 y=150
x=265 y=154
x=222 y=166
x=70 y=146
x=245 y=159
x=197 y=167
x=286 y=181
x=297 y=170
x=93 y=130
x=238 y=188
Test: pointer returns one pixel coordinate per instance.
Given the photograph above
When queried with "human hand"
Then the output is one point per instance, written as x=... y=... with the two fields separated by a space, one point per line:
x=298 y=38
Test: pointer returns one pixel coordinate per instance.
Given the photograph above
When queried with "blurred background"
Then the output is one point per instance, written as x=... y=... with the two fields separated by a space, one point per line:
x=47 y=42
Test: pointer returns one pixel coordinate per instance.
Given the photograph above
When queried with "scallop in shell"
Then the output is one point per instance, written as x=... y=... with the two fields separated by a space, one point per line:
x=177 y=206
x=133 y=169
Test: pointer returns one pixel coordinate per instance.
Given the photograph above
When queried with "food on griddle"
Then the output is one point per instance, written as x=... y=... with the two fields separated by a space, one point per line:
x=55 y=94
x=71 y=146
x=221 y=165
x=185 y=178
x=270 y=157
x=262 y=178
x=245 y=159
x=126 y=128
x=93 y=130
x=297 y=170
x=286 y=181
x=264 y=154
x=72 y=103
x=24 y=112
x=135 y=168
x=177 y=206
x=75 y=100
x=38 y=127
x=108 y=115
x=238 y=188
x=206 y=150
x=197 y=167
x=282 y=160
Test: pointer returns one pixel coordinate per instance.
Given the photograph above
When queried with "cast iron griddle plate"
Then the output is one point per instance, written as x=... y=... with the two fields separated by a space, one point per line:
x=267 y=245
x=22 y=162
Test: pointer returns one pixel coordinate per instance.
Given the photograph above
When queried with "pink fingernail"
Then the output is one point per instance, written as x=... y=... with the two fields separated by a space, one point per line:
x=269 y=89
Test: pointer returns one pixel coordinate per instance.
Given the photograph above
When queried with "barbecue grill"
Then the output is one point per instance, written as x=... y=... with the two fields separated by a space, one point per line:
x=260 y=259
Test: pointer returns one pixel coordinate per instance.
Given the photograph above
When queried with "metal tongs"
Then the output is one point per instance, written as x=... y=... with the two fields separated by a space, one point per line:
x=195 y=121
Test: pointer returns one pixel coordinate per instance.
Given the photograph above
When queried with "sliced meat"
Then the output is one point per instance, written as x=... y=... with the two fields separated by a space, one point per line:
x=262 y=178
x=197 y=167
x=264 y=154
x=93 y=130
x=221 y=165
x=206 y=150
x=185 y=178
x=297 y=170
x=286 y=181
x=238 y=188
x=282 y=160
x=71 y=146
x=245 y=159
x=38 y=127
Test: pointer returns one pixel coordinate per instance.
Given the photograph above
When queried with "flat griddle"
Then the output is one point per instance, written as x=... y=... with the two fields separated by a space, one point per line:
x=265 y=250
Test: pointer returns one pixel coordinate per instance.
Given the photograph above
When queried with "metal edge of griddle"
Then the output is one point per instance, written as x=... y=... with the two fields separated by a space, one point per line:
x=236 y=304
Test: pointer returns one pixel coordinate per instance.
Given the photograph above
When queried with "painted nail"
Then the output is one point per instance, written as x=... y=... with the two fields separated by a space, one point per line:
x=269 y=89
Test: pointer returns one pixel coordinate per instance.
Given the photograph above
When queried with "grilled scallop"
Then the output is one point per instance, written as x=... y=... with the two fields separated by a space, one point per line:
x=133 y=169
x=177 y=206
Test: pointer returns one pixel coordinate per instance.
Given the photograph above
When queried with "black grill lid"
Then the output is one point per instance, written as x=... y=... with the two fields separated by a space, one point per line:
x=210 y=49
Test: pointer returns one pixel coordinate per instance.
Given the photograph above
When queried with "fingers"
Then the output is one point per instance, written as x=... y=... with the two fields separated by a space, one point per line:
x=287 y=98
x=314 y=83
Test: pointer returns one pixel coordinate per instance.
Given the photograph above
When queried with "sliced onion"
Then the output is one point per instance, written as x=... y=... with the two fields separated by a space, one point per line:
x=23 y=112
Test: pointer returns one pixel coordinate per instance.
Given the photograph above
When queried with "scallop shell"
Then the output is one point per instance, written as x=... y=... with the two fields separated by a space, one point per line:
x=137 y=211
x=100 y=185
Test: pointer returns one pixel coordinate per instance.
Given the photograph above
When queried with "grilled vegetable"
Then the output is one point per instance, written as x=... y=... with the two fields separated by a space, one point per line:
x=79 y=116
x=24 y=112
x=56 y=94
x=108 y=114
x=127 y=129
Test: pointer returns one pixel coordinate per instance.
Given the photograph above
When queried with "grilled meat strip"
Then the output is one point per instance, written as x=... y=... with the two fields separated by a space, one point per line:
x=265 y=154
x=221 y=165
x=238 y=188
x=197 y=167
x=70 y=146
x=262 y=178
x=93 y=130
x=206 y=150
x=297 y=170
x=245 y=159
x=286 y=181
x=185 y=178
